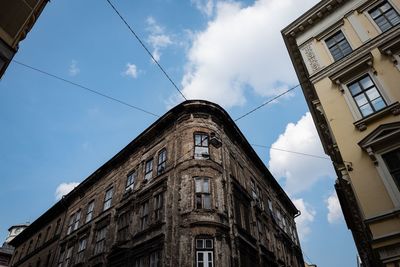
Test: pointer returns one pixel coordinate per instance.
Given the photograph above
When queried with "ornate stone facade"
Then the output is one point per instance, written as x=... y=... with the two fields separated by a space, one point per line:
x=188 y=191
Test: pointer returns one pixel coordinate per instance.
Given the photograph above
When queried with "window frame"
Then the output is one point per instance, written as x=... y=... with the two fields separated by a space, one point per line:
x=378 y=6
x=384 y=172
x=204 y=251
x=161 y=165
x=148 y=172
x=123 y=223
x=68 y=256
x=202 y=195
x=156 y=260
x=201 y=146
x=100 y=240
x=354 y=109
x=364 y=92
x=144 y=215
x=108 y=198
x=89 y=211
x=82 y=245
x=328 y=47
x=158 y=206
x=130 y=180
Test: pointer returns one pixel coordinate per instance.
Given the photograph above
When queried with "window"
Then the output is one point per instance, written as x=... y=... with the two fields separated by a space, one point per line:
x=261 y=231
x=29 y=247
x=74 y=222
x=203 y=196
x=144 y=215
x=130 y=181
x=81 y=249
x=201 y=146
x=77 y=220
x=140 y=261
x=99 y=246
x=108 y=199
x=89 y=212
x=204 y=252
x=366 y=96
x=392 y=161
x=61 y=258
x=162 y=159
x=56 y=231
x=38 y=240
x=155 y=259
x=270 y=204
x=338 y=46
x=253 y=189
x=242 y=214
x=158 y=206
x=68 y=256
x=123 y=227
x=148 y=169
x=71 y=223
x=47 y=233
x=385 y=16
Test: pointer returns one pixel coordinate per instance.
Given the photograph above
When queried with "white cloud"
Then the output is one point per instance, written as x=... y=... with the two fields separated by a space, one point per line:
x=205 y=6
x=299 y=172
x=242 y=49
x=157 y=38
x=303 y=222
x=64 y=189
x=335 y=214
x=131 y=70
x=73 y=69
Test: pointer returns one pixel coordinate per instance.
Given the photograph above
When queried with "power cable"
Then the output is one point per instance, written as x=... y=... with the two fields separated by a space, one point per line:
x=143 y=110
x=85 y=88
x=267 y=102
x=145 y=48
x=294 y=152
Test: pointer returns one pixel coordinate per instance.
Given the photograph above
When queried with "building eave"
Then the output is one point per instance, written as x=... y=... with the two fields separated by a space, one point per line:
x=318 y=12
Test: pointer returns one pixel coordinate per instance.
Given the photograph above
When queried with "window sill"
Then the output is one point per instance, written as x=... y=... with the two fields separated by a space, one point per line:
x=394 y=109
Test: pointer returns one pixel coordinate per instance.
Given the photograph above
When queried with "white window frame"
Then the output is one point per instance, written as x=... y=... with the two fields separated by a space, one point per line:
x=205 y=251
x=390 y=184
x=349 y=97
x=368 y=15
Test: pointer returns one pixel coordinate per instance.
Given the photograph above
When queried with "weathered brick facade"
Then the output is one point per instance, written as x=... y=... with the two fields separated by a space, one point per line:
x=188 y=191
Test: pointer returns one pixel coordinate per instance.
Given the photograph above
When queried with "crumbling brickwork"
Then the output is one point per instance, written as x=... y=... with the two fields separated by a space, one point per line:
x=188 y=191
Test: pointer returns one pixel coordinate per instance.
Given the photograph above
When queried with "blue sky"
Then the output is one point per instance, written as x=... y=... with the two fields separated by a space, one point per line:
x=229 y=52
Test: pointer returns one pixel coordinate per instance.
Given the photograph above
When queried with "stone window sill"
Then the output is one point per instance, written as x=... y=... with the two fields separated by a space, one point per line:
x=394 y=109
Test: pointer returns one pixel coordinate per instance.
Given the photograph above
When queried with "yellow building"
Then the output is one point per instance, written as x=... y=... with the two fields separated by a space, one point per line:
x=346 y=56
x=16 y=19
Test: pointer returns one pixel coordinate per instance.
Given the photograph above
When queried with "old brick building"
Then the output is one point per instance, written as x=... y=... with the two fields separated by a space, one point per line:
x=188 y=191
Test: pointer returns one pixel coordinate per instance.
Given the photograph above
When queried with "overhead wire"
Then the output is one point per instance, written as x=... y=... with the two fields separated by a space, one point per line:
x=141 y=109
x=85 y=88
x=267 y=102
x=145 y=48
x=293 y=152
